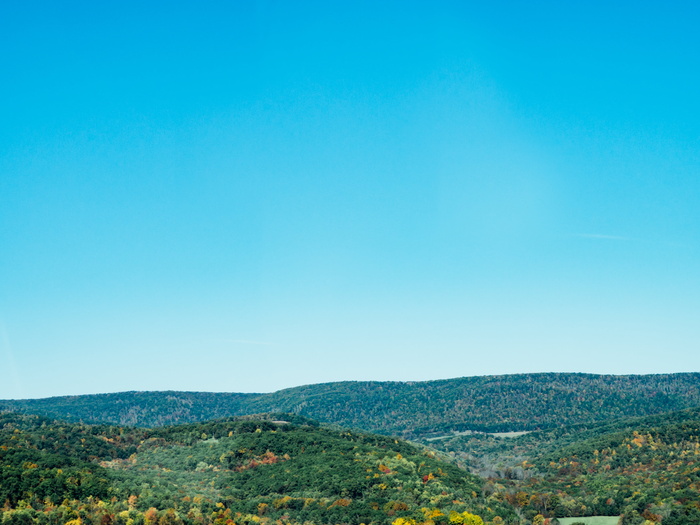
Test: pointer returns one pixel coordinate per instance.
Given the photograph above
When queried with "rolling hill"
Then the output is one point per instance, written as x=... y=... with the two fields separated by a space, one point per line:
x=409 y=409
x=267 y=469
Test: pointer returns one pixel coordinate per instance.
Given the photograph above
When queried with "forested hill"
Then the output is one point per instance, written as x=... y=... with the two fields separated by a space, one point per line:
x=141 y=409
x=264 y=470
x=484 y=403
x=645 y=469
x=285 y=469
x=648 y=470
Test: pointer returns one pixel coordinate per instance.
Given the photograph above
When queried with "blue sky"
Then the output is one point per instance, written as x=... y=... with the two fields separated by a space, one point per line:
x=248 y=196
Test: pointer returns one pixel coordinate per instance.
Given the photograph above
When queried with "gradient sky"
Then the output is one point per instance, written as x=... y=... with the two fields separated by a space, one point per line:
x=248 y=196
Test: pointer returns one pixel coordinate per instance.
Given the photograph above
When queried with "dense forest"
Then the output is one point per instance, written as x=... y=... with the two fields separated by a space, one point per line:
x=286 y=468
x=277 y=469
x=412 y=410
x=642 y=469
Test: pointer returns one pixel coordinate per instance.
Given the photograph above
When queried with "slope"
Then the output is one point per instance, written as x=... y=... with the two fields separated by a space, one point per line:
x=252 y=470
x=486 y=403
x=640 y=468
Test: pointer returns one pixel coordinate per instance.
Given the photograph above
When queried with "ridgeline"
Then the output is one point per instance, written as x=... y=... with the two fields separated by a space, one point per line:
x=408 y=409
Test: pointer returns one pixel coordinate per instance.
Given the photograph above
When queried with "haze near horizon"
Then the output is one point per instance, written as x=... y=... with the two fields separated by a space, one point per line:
x=249 y=197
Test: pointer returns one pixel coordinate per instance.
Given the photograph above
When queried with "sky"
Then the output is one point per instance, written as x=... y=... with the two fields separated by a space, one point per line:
x=250 y=196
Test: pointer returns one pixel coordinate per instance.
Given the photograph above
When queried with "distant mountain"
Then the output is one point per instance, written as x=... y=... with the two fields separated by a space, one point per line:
x=141 y=409
x=410 y=409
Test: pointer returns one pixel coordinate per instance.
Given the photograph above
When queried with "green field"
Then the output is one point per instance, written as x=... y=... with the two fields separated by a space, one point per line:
x=591 y=520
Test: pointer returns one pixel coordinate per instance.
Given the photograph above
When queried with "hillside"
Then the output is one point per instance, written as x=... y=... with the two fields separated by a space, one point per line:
x=251 y=470
x=486 y=403
x=647 y=471
x=141 y=409
x=494 y=455
x=641 y=468
x=285 y=468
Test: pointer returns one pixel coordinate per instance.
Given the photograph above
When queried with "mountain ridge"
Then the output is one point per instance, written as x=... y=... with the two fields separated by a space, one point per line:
x=416 y=408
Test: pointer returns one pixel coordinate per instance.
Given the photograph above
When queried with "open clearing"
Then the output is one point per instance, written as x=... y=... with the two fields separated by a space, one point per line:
x=508 y=434
x=591 y=520
x=471 y=432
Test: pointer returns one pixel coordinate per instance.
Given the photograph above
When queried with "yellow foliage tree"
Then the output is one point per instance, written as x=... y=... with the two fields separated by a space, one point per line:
x=465 y=518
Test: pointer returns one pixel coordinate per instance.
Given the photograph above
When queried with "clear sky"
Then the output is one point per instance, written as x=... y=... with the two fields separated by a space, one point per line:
x=246 y=196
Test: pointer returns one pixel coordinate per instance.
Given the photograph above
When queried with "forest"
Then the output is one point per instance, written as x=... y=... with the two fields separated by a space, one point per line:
x=408 y=409
x=288 y=468
x=271 y=469
x=643 y=469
